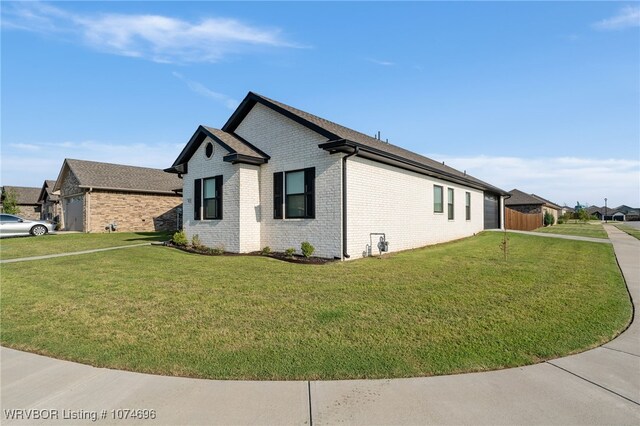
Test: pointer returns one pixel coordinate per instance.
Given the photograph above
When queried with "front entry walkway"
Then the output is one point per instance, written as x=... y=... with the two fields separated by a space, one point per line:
x=600 y=386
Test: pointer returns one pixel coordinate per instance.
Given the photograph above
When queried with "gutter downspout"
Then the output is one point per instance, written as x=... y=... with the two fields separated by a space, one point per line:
x=345 y=255
x=88 y=212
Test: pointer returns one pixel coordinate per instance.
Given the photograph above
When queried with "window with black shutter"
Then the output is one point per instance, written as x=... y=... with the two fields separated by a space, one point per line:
x=208 y=198
x=278 y=179
x=294 y=194
x=197 y=198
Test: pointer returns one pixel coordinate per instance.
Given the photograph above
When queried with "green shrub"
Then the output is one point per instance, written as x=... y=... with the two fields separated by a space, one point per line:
x=307 y=249
x=560 y=221
x=216 y=251
x=548 y=219
x=266 y=250
x=289 y=252
x=179 y=239
x=195 y=242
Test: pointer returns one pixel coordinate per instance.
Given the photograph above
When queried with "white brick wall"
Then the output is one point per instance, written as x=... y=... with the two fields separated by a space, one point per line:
x=399 y=203
x=250 y=210
x=213 y=233
x=291 y=147
x=381 y=198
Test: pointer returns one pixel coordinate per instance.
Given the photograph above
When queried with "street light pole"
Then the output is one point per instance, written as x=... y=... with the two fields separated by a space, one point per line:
x=605 y=210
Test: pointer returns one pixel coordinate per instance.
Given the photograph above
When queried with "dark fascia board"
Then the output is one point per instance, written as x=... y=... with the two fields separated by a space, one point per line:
x=346 y=146
x=180 y=169
x=138 y=191
x=180 y=165
x=43 y=193
x=249 y=102
x=523 y=204
x=236 y=158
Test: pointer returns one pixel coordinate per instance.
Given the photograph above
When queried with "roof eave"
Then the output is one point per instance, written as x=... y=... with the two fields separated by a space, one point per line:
x=347 y=146
x=180 y=169
x=142 y=191
x=236 y=158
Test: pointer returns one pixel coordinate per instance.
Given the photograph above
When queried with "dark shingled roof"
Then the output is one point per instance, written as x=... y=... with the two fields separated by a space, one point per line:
x=119 y=177
x=547 y=202
x=519 y=198
x=25 y=195
x=47 y=187
x=233 y=142
x=339 y=139
x=336 y=132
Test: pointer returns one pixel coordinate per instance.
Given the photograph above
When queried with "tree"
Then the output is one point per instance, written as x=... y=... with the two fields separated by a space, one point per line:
x=583 y=215
x=10 y=202
x=548 y=219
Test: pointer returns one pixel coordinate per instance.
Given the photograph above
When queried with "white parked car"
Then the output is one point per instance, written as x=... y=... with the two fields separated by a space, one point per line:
x=11 y=225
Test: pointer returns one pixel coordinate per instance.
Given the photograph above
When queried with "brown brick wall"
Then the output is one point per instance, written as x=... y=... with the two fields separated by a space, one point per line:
x=29 y=211
x=132 y=212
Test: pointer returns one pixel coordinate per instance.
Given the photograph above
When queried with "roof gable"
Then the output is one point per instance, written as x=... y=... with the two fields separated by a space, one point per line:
x=47 y=191
x=240 y=151
x=118 y=177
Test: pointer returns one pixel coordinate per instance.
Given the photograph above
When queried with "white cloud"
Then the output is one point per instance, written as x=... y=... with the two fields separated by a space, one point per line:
x=154 y=37
x=559 y=179
x=627 y=17
x=381 y=62
x=202 y=90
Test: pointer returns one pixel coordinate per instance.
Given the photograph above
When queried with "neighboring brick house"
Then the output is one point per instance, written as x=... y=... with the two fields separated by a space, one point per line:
x=532 y=204
x=26 y=200
x=277 y=176
x=95 y=195
x=49 y=202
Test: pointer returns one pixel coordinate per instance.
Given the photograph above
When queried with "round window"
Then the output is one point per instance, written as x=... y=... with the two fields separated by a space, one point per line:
x=208 y=150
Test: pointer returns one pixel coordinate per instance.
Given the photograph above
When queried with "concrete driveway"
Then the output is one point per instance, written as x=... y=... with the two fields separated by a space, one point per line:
x=600 y=386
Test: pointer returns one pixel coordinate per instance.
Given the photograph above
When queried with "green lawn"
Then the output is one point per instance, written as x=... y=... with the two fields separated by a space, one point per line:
x=443 y=309
x=634 y=232
x=11 y=248
x=590 y=229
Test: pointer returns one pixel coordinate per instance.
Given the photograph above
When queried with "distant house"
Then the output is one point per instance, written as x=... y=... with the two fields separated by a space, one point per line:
x=49 y=202
x=629 y=213
x=26 y=200
x=531 y=204
x=549 y=207
x=566 y=209
x=525 y=212
x=276 y=176
x=95 y=197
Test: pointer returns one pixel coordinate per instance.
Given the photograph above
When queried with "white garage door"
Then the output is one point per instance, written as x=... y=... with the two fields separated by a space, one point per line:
x=73 y=214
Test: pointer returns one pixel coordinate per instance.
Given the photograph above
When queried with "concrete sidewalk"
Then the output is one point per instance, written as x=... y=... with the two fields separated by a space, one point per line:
x=73 y=253
x=560 y=236
x=600 y=386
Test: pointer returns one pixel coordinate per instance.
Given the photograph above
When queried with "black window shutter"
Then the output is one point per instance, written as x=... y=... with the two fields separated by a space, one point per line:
x=310 y=190
x=219 y=197
x=278 y=184
x=197 y=198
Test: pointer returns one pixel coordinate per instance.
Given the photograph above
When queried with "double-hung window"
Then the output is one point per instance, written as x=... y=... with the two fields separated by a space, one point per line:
x=450 y=203
x=467 y=205
x=294 y=194
x=208 y=198
x=437 y=199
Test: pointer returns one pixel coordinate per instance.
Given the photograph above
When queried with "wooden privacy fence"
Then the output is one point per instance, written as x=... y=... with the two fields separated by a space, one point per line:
x=522 y=221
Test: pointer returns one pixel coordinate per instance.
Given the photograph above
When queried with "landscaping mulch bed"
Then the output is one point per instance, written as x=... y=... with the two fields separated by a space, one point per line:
x=274 y=255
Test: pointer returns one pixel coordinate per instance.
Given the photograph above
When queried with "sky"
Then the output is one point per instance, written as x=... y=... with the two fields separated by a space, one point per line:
x=539 y=96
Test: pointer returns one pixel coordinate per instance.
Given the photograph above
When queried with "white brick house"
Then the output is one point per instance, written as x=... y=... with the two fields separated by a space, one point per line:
x=277 y=176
